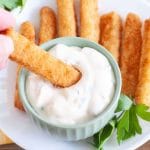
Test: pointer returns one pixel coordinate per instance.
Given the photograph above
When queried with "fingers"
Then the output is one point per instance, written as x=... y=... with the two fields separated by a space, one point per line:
x=110 y=35
x=130 y=54
x=89 y=20
x=7 y=20
x=48 y=28
x=66 y=18
x=6 y=48
x=143 y=88
x=29 y=55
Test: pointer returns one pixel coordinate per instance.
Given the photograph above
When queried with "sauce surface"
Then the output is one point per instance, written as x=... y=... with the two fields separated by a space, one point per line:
x=80 y=102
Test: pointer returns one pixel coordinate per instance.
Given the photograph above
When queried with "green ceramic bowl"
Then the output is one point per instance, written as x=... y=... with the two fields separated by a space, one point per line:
x=78 y=131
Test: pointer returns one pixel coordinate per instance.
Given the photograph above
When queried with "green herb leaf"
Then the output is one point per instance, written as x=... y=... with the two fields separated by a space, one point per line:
x=11 y=4
x=102 y=137
x=134 y=126
x=126 y=123
x=128 y=126
x=142 y=111
x=106 y=133
x=96 y=139
x=123 y=126
x=1 y=6
x=124 y=103
x=134 y=120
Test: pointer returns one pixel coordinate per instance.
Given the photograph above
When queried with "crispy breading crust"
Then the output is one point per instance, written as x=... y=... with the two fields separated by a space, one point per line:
x=66 y=18
x=89 y=20
x=40 y=62
x=17 y=102
x=27 y=30
x=142 y=94
x=110 y=33
x=48 y=28
x=130 y=54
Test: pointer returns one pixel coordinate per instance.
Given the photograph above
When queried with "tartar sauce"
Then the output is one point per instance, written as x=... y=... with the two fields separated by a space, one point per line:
x=80 y=102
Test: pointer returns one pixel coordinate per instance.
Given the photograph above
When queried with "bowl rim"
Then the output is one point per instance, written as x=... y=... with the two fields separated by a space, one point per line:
x=103 y=51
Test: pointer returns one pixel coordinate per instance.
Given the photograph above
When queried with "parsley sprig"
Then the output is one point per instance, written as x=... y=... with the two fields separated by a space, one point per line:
x=125 y=121
x=11 y=4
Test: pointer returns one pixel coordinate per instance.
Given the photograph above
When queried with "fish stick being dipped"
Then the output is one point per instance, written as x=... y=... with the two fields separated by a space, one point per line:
x=27 y=30
x=66 y=18
x=142 y=94
x=110 y=33
x=89 y=20
x=130 y=54
x=48 y=29
x=37 y=60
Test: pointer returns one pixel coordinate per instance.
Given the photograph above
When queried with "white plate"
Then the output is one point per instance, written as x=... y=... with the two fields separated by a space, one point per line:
x=17 y=124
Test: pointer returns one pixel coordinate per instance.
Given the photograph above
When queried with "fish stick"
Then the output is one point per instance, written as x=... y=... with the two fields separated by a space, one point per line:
x=89 y=20
x=110 y=35
x=66 y=18
x=130 y=54
x=17 y=102
x=48 y=29
x=35 y=59
x=27 y=30
x=142 y=94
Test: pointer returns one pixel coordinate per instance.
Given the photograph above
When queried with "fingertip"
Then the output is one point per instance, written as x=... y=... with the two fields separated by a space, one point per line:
x=7 y=20
x=3 y=64
x=7 y=45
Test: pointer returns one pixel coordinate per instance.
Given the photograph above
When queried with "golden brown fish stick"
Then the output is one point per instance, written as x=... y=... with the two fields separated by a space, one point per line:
x=27 y=30
x=35 y=59
x=130 y=54
x=89 y=20
x=142 y=94
x=48 y=29
x=66 y=18
x=17 y=102
x=110 y=33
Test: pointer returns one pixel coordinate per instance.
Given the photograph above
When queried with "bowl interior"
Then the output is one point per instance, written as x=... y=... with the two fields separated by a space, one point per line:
x=80 y=42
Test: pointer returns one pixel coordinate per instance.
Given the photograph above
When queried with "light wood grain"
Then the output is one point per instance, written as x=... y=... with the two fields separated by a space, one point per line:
x=146 y=146
x=4 y=139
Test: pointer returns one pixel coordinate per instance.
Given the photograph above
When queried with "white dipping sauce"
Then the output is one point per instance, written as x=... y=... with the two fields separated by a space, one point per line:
x=80 y=102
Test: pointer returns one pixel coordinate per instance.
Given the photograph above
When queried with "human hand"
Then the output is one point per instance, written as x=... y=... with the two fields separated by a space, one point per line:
x=6 y=44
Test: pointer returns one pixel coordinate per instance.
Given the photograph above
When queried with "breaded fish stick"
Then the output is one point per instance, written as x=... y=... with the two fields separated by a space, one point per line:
x=66 y=18
x=48 y=28
x=130 y=54
x=27 y=30
x=142 y=94
x=110 y=35
x=40 y=62
x=89 y=20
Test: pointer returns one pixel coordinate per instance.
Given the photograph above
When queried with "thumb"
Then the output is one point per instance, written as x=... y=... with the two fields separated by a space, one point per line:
x=6 y=48
x=6 y=19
